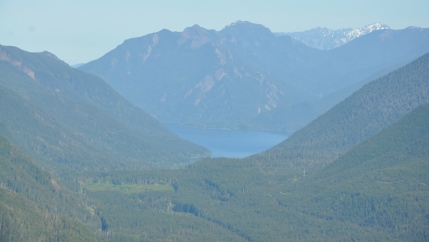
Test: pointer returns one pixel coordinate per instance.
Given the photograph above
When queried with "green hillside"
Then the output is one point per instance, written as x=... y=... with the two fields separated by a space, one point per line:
x=65 y=119
x=360 y=116
x=381 y=184
x=36 y=207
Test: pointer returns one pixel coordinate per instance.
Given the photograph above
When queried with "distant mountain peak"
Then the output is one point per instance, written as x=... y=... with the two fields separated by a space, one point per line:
x=355 y=33
x=326 y=39
x=377 y=26
x=240 y=22
x=194 y=28
x=53 y=56
x=245 y=26
x=196 y=35
x=413 y=27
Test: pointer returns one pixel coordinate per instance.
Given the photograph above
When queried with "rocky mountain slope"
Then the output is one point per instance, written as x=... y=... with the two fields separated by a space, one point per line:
x=244 y=76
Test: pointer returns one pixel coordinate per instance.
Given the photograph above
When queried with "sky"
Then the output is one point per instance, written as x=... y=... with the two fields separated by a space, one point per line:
x=79 y=31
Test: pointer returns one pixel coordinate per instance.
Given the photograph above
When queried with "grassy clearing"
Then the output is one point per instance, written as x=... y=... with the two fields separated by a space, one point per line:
x=126 y=188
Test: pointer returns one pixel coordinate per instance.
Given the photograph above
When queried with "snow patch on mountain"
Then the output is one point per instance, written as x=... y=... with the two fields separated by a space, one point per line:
x=326 y=39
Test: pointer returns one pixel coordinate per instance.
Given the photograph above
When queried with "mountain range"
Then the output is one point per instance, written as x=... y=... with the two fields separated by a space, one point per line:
x=78 y=162
x=326 y=39
x=244 y=76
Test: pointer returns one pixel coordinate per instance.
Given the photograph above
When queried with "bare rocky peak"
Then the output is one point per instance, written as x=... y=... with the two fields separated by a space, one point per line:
x=196 y=36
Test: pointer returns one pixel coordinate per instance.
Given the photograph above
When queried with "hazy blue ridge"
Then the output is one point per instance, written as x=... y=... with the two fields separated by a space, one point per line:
x=244 y=76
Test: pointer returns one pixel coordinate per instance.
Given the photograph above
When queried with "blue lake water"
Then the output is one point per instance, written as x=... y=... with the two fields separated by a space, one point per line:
x=229 y=143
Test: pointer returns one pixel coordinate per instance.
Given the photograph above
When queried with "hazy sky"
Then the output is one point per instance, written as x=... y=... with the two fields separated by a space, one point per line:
x=79 y=31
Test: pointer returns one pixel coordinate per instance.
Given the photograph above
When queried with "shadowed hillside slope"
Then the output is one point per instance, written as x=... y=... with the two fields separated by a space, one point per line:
x=66 y=118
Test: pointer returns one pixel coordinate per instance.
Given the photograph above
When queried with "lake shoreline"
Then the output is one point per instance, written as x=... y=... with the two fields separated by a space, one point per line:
x=229 y=143
x=284 y=133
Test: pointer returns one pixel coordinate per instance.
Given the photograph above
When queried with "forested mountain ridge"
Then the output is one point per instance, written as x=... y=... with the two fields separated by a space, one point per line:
x=65 y=118
x=381 y=183
x=375 y=191
x=372 y=108
x=36 y=207
x=244 y=76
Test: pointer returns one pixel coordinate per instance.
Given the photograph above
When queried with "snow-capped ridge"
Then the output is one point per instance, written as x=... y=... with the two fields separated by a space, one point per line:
x=356 y=33
x=326 y=39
